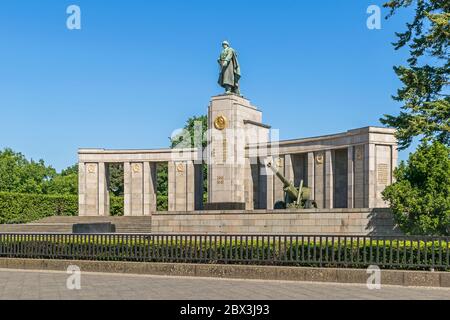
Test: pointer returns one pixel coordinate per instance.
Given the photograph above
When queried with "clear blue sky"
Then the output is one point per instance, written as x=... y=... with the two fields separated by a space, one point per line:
x=138 y=69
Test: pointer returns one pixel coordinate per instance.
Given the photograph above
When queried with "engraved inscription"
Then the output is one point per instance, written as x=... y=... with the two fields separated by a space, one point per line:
x=359 y=152
x=220 y=180
x=382 y=173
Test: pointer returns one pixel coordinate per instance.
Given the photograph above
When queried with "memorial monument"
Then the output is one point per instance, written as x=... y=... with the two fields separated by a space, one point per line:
x=347 y=170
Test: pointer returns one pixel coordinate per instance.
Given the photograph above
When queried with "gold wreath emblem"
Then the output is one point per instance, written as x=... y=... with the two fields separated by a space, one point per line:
x=180 y=167
x=136 y=168
x=279 y=162
x=220 y=123
x=319 y=158
x=91 y=168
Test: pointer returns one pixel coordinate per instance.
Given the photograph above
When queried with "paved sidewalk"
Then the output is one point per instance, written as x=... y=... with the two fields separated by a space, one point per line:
x=20 y=284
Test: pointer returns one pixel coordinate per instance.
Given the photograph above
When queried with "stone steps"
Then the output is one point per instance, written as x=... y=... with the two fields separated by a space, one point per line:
x=59 y=224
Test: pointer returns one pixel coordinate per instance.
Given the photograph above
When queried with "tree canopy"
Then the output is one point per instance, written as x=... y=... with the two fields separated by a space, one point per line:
x=425 y=92
x=420 y=198
x=20 y=175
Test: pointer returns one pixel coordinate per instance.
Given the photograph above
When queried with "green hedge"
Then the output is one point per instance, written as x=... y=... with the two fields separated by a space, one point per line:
x=18 y=208
x=395 y=254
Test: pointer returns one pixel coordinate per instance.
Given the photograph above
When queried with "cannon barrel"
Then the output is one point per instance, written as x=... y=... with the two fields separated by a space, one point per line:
x=289 y=188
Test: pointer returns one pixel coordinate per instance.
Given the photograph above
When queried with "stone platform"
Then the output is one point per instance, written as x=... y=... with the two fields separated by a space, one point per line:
x=301 y=222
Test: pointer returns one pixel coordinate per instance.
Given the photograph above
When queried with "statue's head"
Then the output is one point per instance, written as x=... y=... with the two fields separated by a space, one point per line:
x=225 y=44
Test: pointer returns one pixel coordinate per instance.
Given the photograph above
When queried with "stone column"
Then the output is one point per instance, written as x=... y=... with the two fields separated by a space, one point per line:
x=370 y=176
x=329 y=179
x=93 y=188
x=103 y=194
x=248 y=184
x=82 y=189
x=319 y=179
x=289 y=168
x=311 y=174
x=270 y=196
x=350 y=179
x=127 y=188
x=150 y=187
x=359 y=176
x=181 y=186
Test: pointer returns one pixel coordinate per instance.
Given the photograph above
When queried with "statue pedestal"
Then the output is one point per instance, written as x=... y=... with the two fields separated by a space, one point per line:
x=233 y=123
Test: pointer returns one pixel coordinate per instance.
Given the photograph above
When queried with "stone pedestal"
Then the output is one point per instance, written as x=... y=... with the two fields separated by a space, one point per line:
x=233 y=123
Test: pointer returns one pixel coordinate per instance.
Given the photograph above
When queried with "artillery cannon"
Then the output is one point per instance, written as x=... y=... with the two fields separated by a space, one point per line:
x=294 y=198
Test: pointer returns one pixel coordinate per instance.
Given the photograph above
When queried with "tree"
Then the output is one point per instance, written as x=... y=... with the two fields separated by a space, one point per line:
x=420 y=197
x=65 y=183
x=19 y=175
x=189 y=133
x=426 y=103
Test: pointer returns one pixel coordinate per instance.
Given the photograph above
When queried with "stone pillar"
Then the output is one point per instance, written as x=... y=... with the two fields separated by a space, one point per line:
x=82 y=211
x=270 y=196
x=93 y=188
x=370 y=176
x=350 y=177
x=103 y=193
x=359 y=176
x=233 y=122
x=181 y=186
x=248 y=184
x=319 y=179
x=329 y=179
x=384 y=173
x=150 y=188
x=311 y=174
x=127 y=189
x=289 y=168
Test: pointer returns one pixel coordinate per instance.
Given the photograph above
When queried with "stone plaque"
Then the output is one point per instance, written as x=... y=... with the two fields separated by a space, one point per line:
x=382 y=173
x=220 y=180
x=359 y=152
x=225 y=149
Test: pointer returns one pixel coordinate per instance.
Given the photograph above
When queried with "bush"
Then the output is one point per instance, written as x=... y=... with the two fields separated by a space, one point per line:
x=116 y=206
x=16 y=208
x=420 y=199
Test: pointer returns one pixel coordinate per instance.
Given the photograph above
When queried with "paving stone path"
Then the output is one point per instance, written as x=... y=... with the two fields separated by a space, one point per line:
x=19 y=284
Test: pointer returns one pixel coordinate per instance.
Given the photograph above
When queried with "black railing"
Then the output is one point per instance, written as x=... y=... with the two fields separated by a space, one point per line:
x=291 y=250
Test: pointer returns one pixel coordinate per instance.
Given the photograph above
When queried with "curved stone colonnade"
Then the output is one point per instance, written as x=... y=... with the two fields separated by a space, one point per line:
x=344 y=170
x=185 y=188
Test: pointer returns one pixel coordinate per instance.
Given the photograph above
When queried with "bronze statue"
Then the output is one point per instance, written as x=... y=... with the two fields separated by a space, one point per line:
x=230 y=72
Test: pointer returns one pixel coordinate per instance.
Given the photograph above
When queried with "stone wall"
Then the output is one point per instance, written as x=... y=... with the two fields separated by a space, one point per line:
x=306 y=222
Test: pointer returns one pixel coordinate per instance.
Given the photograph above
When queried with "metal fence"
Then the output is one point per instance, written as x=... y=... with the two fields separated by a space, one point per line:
x=293 y=250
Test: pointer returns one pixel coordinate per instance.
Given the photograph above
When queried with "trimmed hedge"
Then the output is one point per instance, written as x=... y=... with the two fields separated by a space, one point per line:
x=390 y=254
x=16 y=208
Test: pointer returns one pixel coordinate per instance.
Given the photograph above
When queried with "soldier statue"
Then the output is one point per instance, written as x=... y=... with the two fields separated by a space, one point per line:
x=230 y=72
